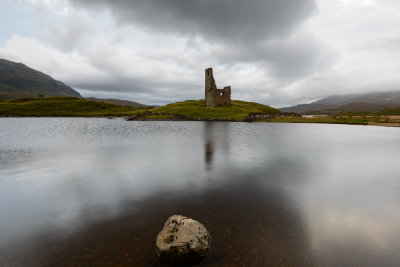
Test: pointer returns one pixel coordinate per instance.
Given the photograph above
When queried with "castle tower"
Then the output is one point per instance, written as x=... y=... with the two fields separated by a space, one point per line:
x=214 y=96
x=211 y=89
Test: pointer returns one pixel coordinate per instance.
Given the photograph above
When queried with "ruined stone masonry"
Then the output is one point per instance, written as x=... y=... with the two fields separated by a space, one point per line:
x=214 y=96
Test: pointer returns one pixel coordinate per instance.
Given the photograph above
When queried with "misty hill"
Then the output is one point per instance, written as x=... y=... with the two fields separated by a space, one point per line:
x=18 y=80
x=369 y=102
x=125 y=103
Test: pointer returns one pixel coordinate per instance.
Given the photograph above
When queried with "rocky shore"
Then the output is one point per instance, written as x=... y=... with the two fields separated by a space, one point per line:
x=163 y=116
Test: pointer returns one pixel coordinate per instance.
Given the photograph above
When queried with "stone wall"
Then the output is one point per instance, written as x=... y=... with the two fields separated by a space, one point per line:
x=259 y=116
x=224 y=96
x=164 y=116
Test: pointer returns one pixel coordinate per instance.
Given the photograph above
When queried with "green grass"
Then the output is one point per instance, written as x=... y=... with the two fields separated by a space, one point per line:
x=390 y=111
x=72 y=106
x=62 y=106
x=238 y=110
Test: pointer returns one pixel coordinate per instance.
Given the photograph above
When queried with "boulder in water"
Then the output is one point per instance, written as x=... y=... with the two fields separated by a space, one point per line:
x=182 y=240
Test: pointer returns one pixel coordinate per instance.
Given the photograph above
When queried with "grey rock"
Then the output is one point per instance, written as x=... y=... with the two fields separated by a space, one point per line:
x=182 y=240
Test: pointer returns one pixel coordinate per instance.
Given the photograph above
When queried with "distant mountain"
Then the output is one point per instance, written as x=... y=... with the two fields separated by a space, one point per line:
x=369 y=102
x=384 y=98
x=17 y=80
x=118 y=102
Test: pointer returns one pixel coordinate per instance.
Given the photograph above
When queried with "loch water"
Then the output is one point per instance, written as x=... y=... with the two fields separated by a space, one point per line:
x=95 y=191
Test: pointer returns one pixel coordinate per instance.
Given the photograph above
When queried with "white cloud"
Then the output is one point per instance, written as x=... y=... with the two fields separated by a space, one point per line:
x=72 y=66
x=346 y=47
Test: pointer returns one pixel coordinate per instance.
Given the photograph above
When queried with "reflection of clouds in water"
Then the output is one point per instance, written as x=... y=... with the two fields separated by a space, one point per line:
x=353 y=227
x=238 y=144
x=347 y=205
x=72 y=186
x=354 y=215
x=251 y=224
x=329 y=180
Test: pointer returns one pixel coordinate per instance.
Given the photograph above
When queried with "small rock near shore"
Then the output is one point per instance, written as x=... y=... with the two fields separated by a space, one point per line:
x=182 y=240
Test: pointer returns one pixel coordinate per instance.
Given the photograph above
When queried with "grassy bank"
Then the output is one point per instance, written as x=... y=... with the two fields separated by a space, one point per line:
x=62 y=107
x=238 y=110
x=72 y=106
x=385 y=112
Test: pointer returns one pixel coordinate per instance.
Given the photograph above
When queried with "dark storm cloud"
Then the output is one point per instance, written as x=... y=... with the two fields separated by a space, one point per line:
x=228 y=20
x=266 y=34
x=290 y=58
x=155 y=51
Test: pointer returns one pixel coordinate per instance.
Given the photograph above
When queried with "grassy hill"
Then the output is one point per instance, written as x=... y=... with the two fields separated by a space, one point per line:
x=17 y=80
x=72 y=106
x=62 y=106
x=238 y=110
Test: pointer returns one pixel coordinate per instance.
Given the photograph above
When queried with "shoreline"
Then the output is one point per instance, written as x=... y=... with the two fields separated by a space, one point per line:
x=186 y=118
x=384 y=124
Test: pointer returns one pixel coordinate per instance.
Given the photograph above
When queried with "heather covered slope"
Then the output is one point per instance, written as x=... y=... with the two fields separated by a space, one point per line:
x=368 y=102
x=119 y=102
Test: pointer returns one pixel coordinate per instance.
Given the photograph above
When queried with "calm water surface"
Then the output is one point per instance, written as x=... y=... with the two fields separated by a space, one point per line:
x=77 y=191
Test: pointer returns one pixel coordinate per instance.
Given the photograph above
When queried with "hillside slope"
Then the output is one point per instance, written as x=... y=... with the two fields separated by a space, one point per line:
x=17 y=80
x=118 y=102
x=369 y=102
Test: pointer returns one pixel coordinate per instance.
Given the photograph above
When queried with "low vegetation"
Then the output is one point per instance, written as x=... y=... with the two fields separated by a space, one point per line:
x=238 y=110
x=384 y=112
x=62 y=106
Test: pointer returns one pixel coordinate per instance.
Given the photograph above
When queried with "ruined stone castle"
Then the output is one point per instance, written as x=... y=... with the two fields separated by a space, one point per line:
x=214 y=96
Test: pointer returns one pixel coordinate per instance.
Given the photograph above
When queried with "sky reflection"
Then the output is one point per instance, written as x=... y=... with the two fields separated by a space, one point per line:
x=329 y=192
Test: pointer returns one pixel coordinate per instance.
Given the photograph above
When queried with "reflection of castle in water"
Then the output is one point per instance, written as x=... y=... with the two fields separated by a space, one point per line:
x=208 y=143
x=216 y=137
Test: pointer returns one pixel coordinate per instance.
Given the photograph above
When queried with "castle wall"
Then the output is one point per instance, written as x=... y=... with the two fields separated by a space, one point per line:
x=224 y=96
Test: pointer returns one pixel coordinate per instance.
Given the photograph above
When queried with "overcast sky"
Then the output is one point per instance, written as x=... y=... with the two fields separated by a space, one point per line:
x=276 y=52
